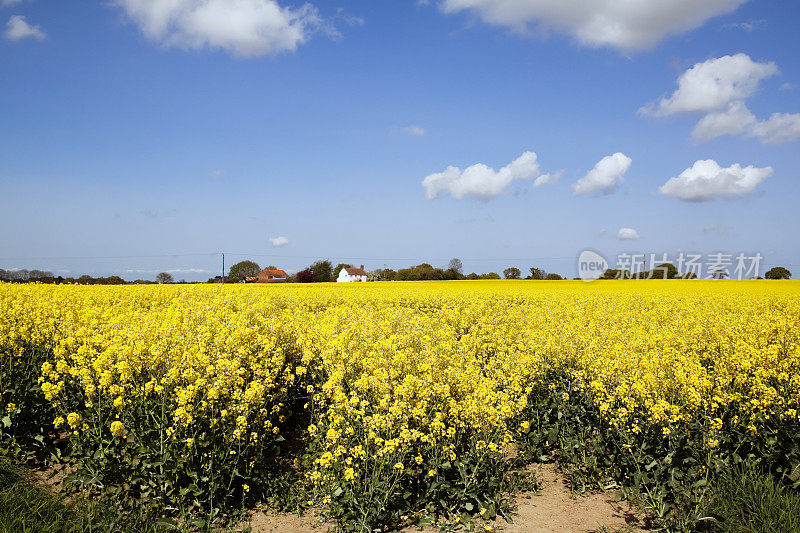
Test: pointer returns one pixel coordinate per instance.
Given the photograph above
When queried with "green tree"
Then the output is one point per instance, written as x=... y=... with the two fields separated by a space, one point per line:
x=512 y=273
x=614 y=273
x=322 y=270
x=164 y=277
x=664 y=271
x=778 y=273
x=243 y=269
x=537 y=273
x=553 y=277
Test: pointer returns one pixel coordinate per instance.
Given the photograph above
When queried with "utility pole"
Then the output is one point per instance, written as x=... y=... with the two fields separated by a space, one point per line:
x=223 y=268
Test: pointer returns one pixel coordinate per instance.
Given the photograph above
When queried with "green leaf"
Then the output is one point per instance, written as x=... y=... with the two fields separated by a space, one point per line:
x=469 y=507
x=338 y=492
x=6 y=421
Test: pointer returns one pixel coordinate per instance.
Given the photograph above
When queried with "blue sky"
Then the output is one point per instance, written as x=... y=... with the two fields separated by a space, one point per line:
x=137 y=139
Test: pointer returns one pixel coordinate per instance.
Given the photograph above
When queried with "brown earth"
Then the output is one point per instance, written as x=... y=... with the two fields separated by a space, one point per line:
x=551 y=509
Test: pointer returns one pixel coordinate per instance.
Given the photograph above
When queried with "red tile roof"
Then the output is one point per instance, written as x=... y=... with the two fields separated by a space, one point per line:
x=356 y=271
x=271 y=276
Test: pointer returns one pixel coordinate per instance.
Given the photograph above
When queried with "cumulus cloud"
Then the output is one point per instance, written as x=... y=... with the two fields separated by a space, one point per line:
x=717 y=89
x=605 y=176
x=277 y=242
x=480 y=181
x=627 y=234
x=245 y=28
x=713 y=85
x=706 y=180
x=17 y=28
x=630 y=25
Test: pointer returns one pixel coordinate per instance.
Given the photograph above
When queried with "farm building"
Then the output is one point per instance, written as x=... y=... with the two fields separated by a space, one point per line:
x=271 y=276
x=352 y=274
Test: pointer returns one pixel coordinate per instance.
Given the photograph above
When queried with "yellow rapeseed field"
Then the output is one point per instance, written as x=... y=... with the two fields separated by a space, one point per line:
x=400 y=390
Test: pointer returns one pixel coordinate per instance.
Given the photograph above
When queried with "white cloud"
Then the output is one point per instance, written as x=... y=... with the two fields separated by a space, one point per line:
x=546 y=179
x=788 y=86
x=277 y=242
x=416 y=131
x=736 y=119
x=627 y=234
x=779 y=128
x=628 y=24
x=713 y=85
x=480 y=181
x=717 y=90
x=706 y=180
x=246 y=28
x=605 y=176
x=217 y=174
x=17 y=28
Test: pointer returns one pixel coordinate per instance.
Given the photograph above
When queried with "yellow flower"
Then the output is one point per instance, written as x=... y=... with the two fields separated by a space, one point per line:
x=74 y=420
x=117 y=429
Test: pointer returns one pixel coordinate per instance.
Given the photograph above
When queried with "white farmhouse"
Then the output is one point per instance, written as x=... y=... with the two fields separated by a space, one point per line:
x=352 y=274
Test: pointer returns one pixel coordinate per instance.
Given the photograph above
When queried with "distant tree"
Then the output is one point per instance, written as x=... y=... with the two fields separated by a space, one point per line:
x=243 y=269
x=664 y=271
x=614 y=273
x=553 y=277
x=305 y=276
x=407 y=274
x=387 y=274
x=271 y=267
x=778 y=273
x=375 y=275
x=537 y=273
x=491 y=275
x=720 y=274
x=512 y=273
x=338 y=269
x=455 y=264
x=86 y=279
x=322 y=270
x=473 y=275
x=164 y=277
x=452 y=274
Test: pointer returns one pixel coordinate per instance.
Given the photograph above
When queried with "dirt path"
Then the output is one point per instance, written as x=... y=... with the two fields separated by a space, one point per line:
x=552 y=509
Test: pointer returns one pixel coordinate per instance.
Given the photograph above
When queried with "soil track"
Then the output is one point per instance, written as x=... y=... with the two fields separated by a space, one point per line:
x=552 y=509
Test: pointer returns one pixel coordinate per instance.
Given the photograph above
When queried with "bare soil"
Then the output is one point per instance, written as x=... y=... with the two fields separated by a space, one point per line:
x=551 y=509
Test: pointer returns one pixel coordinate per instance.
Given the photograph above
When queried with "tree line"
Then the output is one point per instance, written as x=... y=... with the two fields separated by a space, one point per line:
x=324 y=271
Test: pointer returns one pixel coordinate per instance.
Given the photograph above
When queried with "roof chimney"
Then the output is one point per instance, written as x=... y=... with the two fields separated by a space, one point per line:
x=362 y=267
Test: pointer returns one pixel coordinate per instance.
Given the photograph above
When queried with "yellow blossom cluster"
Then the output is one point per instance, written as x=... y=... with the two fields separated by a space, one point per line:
x=404 y=373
